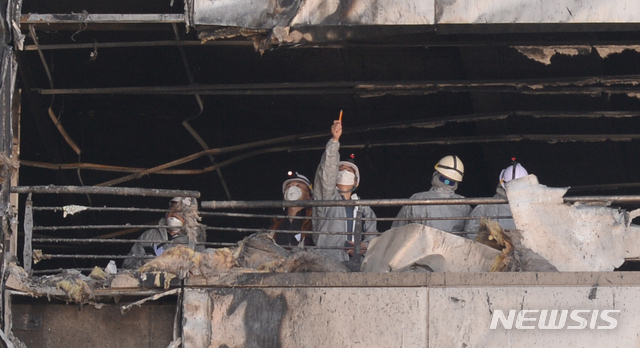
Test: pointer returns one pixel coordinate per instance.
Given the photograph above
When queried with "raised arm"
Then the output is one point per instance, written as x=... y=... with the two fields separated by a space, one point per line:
x=324 y=183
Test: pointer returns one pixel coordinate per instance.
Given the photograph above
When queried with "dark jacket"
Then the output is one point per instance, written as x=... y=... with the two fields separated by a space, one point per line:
x=289 y=239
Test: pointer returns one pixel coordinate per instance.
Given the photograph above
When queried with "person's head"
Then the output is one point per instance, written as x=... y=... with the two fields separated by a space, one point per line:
x=175 y=221
x=181 y=204
x=348 y=174
x=512 y=172
x=175 y=217
x=449 y=171
x=296 y=187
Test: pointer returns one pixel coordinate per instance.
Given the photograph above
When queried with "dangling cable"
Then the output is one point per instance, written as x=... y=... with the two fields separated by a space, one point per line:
x=52 y=115
x=186 y=124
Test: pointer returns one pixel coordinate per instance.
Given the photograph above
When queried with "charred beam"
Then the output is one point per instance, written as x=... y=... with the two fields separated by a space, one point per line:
x=581 y=85
x=550 y=138
x=117 y=191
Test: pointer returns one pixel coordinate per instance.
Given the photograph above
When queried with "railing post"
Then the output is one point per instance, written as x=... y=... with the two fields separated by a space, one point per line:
x=27 y=253
x=357 y=236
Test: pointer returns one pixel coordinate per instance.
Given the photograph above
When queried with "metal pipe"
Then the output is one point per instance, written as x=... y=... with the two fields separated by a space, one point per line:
x=397 y=202
x=252 y=230
x=597 y=199
x=135 y=44
x=96 y=227
x=116 y=241
x=109 y=292
x=105 y=168
x=27 y=253
x=150 y=210
x=59 y=270
x=346 y=203
x=267 y=216
x=117 y=191
x=77 y=256
x=101 y=18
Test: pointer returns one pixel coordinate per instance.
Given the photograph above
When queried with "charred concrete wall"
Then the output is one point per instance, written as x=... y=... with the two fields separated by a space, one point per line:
x=47 y=325
x=413 y=310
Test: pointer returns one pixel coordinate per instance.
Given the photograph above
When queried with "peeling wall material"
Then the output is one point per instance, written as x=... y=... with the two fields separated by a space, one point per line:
x=416 y=247
x=543 y=54
x=536 y=11
x=572 y=237
x=606 y=50
x=272 y=13
x=269 y=14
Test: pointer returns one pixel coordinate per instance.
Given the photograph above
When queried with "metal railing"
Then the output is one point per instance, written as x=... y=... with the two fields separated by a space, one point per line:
x=239 y=228
x=29 y=228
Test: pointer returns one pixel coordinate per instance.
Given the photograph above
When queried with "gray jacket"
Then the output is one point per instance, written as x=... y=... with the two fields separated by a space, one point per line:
x=143 y=248
x=324 y=188
x=417 y=213
x=490 y=210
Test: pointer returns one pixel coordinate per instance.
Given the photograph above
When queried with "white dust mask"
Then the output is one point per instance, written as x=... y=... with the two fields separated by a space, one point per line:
x=174 y=224
x=293 y=193
x=346 y=177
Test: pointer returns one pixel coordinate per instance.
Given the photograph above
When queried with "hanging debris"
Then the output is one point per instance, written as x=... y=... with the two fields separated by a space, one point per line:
x=70 y=285
x=258 y=249
x=420 y=248
x=543 y=54
x=513 y=256
x=184 y=261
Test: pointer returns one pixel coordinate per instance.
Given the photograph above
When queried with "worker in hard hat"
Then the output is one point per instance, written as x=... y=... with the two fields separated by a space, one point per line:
x=493 y=211
x=448 y=173
x=296 y=187
x=337 y=180
x=172 y=231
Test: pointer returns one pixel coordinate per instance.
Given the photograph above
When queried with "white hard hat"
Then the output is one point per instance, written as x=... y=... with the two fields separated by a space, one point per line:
x=514 y=171
x=295 y=176
x=349 y=161
x=451 y=167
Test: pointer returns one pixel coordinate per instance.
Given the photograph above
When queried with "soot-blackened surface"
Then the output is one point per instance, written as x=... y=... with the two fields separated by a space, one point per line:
x=262 y=318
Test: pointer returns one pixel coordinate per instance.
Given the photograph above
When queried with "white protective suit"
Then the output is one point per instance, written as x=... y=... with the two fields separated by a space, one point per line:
x=490 y=211
x=324 y=188
x=417 y=213
x=142 y=248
